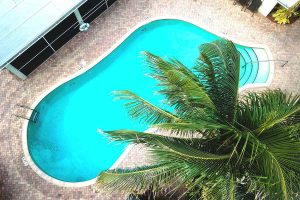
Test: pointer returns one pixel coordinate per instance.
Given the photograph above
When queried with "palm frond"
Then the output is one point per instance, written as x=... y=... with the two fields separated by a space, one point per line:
x=243 y=145
x=182 y=161
x=191 y=162
x=180 y=86
x=159 y=67
x=201 y=128
x=139 y=108
x=218 y=71
x=138 y=180
x=274 y=154
x=260 y=111
x=278 y=160
x=180 y=148
x=270 y=167
x=176 y=167
x=149 y=139
x=281 y=142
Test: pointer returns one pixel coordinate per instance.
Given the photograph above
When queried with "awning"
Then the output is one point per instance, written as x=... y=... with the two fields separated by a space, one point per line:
x=22 y=21
x=287 y=3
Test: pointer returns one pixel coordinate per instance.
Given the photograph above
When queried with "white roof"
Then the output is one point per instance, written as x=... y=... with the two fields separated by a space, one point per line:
x=22 y=21
x=287 y=3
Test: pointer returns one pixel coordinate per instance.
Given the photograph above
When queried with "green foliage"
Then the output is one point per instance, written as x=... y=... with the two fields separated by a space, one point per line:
x=141 y=109
x=214 y=144
x=283 y=15
x=217 y=71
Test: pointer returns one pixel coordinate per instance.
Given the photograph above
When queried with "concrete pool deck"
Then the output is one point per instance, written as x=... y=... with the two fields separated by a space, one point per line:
x=21 y=182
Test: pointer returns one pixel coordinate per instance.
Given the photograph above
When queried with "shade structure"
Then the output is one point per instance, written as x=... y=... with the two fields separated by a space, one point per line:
x=23 y=21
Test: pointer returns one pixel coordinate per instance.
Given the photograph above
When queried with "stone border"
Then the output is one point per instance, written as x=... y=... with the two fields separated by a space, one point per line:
x=57 y=182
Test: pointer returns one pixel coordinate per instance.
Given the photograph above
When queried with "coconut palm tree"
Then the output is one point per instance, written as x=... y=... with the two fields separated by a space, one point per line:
x=213 y=142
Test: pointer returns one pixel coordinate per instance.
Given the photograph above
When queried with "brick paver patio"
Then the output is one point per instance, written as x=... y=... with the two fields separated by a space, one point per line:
x=20 y=182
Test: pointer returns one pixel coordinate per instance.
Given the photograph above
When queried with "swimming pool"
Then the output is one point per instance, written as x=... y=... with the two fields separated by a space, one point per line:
x=64 y=142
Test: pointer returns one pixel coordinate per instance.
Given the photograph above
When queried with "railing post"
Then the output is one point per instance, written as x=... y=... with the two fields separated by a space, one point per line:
x=82 y=25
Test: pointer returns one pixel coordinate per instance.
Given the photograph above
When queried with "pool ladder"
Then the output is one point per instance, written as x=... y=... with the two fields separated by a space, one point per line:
x=34 y=114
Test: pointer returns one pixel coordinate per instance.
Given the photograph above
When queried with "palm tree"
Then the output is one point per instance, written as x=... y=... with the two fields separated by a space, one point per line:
x=213 y=142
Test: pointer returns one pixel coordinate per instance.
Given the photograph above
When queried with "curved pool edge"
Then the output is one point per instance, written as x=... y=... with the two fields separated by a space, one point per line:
x=57 y=182
x=271 y=72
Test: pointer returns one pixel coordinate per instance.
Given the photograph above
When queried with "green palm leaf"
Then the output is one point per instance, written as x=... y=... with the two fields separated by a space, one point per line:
x=278 y=155
x=205 y=129
x=139 y=108
x=260 y=111
x=141 y=137
x=181 y=87
x=218 y=71
x=138 y=180
x=177 y=166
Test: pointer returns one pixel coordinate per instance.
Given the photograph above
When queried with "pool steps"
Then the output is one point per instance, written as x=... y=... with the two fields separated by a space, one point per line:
x=33 y=115
x=264 y=65
x=255 y=65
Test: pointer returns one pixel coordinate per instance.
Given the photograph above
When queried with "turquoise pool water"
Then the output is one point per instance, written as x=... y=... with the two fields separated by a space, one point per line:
x=65 y=144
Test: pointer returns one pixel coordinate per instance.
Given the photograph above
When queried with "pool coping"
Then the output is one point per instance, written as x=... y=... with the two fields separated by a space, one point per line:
x=57 y=182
